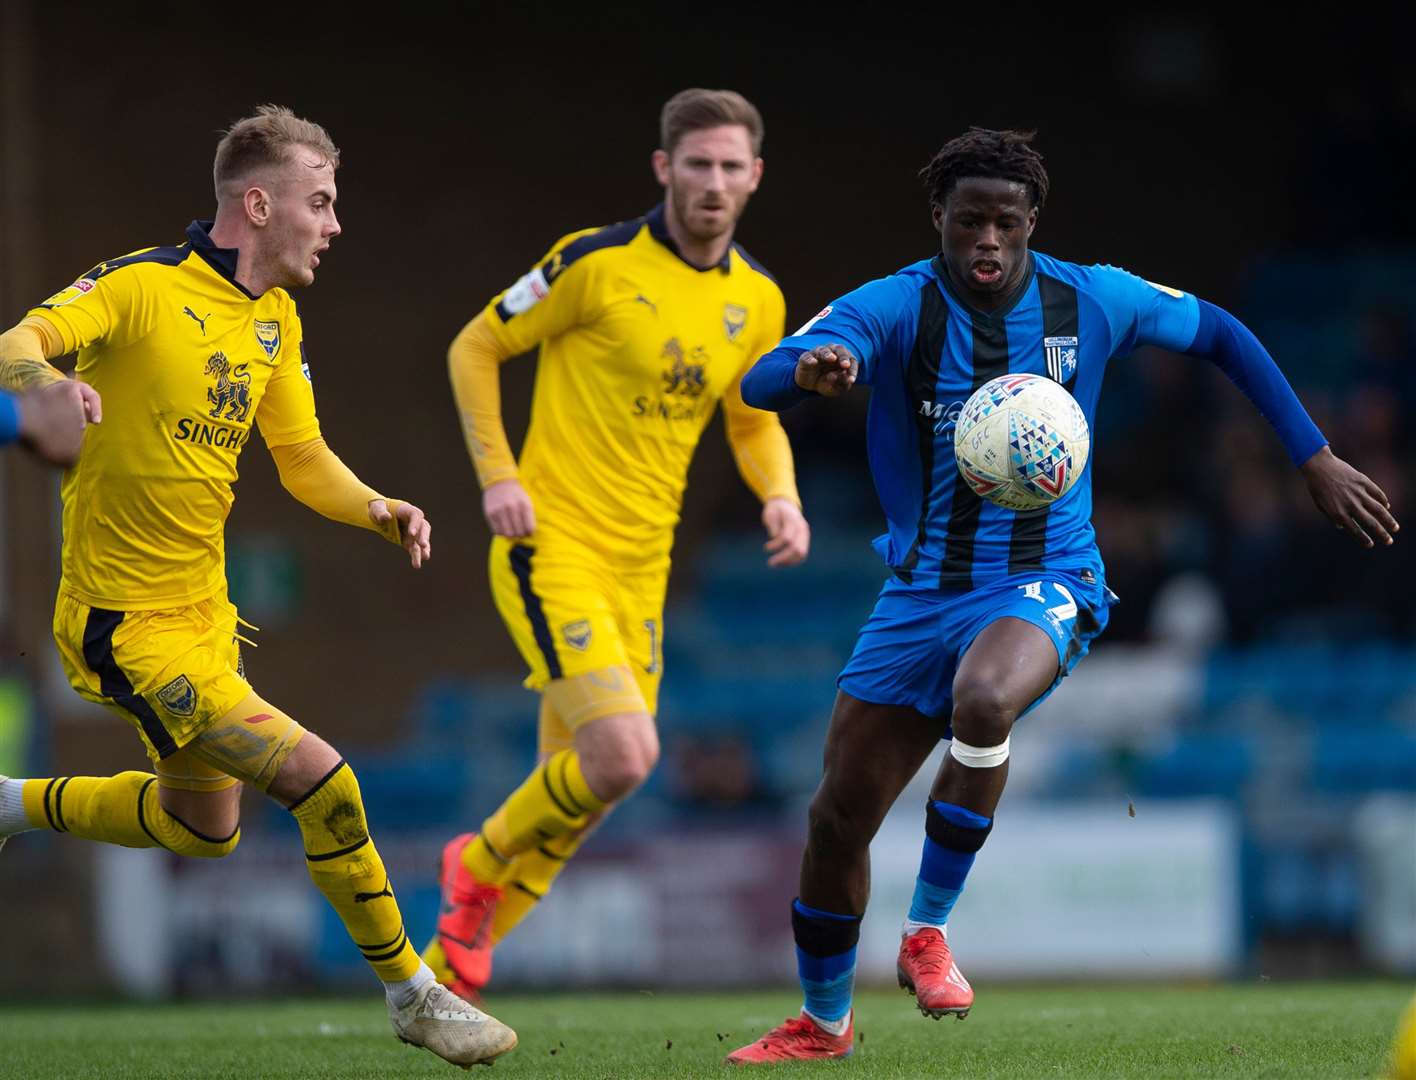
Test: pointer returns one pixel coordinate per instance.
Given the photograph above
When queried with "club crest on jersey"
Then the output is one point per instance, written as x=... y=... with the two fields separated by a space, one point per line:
x=734 y=319
x=230 y=399
x=683 y=377
x=179 y=697
x=577 y=634
x=268 y=334
x=1061 y=355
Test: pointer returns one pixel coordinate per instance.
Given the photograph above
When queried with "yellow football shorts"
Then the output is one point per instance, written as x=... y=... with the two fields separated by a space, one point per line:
x=170 y=673
x=571 y=613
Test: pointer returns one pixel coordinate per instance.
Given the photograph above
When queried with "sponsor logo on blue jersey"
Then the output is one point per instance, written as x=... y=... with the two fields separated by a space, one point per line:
x=945 y=416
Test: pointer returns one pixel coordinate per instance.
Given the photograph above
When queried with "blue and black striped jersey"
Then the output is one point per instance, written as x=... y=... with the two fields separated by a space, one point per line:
x=924 y=350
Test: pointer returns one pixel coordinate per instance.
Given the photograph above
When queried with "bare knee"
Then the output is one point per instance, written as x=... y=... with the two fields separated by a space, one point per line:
x=617 y=754
x=838 y=823
x=311 y=761
x=213 y=816
x=983 y=712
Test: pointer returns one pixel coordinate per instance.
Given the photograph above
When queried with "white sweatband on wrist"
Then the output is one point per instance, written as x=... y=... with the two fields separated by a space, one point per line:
x=979 y=757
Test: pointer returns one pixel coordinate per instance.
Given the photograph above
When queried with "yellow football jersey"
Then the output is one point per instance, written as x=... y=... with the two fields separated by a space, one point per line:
x=185 y=360
x=638 y=346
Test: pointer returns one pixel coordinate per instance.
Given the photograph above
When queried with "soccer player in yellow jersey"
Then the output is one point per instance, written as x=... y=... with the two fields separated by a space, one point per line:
x=187 y=347
x=643 y=327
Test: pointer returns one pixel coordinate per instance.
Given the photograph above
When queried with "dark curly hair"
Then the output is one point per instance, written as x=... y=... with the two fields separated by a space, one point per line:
x=982 y=152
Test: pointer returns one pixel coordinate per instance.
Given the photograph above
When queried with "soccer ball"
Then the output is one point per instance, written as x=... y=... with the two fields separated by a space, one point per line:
x=1021 y=441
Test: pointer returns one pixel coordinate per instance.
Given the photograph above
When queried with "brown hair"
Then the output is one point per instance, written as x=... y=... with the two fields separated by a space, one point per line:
x=696 y=109
x=265 y=139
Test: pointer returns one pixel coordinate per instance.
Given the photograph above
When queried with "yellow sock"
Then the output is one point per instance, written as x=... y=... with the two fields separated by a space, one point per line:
x=532 y=874
x=122 y=809
x=346 y=867
x=553 y=801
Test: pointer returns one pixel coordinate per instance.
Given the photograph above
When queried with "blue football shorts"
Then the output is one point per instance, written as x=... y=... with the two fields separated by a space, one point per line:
x=910 y=647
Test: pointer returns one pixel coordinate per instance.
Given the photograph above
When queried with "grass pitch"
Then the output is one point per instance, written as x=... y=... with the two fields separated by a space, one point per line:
x=1327 y=1030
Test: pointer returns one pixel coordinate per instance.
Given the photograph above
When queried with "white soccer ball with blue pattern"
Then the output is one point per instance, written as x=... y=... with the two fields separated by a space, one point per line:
x=1021 y=441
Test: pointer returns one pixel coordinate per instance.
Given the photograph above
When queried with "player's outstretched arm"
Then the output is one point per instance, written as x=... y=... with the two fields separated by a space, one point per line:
x=52 y=420
x=1351 y=501
x=784 y=377
x=312 y=473
x=411 y=525
x=25 y=352
x=53 y=408
x=828 y=370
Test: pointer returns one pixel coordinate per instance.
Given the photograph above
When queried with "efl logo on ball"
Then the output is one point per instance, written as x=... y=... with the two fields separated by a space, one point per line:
x=1021 y=441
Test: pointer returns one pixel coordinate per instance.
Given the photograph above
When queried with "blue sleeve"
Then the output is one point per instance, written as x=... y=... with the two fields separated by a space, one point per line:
x=1141 y=312
x=1238 y=353
x=9 y=418
x=865 y=321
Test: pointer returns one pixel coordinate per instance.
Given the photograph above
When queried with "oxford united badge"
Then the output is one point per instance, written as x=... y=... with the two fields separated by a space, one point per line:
x=268 y=334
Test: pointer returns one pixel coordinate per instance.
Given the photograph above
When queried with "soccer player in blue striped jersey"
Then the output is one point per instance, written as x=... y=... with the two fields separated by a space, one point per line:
x=986 y=609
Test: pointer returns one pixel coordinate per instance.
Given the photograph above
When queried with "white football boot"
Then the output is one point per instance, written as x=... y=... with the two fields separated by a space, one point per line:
x=440 y=1021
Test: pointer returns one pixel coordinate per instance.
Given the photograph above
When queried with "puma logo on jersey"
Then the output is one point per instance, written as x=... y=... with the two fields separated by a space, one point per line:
x=200 y=322
x=640 y=298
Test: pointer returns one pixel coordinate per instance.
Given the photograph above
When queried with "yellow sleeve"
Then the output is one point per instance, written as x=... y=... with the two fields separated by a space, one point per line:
x=25 y=351
x=760 y=446
x=546 y=302
x=550 y=299
x=474 y=364
x=313 y=473
x=108 y=304
x=286 y=413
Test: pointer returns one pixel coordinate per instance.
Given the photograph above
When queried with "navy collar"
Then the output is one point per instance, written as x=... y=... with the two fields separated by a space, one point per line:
x=659 y=230
x=222 y=260
x=1003 y=310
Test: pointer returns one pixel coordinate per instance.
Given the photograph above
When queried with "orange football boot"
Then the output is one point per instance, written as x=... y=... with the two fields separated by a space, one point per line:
x=800 y=1038
x=926 y=969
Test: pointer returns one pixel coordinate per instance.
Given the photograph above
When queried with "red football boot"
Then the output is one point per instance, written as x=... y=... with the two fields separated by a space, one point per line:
x=926 y=969
x=464 y=923
x=798 y=1039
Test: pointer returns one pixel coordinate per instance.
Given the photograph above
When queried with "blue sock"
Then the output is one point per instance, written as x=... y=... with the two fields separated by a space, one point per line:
x=952 y=837
x=826 y=959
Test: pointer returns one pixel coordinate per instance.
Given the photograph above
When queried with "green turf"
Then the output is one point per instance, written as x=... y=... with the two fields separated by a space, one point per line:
x=1328 y=1030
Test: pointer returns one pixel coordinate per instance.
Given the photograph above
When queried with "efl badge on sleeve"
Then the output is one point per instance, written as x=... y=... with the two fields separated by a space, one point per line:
x=1061 y=357
x=179 y=697
x=268 y=334
x=734 y=319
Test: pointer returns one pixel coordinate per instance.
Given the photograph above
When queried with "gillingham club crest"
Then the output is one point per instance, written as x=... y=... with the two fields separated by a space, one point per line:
x=1061 y=357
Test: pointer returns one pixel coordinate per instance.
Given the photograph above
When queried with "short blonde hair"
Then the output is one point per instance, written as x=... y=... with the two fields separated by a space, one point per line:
x=267 y=138
x=697 y=109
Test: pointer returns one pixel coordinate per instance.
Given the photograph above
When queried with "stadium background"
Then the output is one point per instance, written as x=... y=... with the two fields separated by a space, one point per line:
x=1228 y=787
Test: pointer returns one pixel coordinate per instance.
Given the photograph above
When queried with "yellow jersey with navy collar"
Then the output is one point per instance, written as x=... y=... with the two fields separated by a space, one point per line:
x=186 y=361
x=638 y=346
